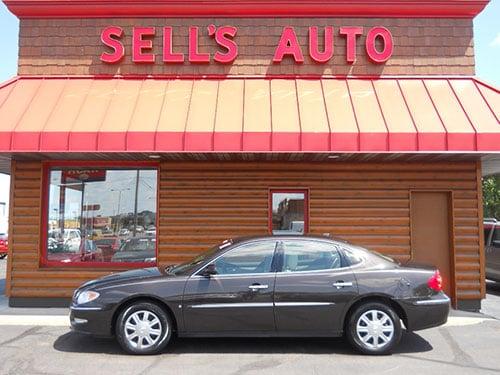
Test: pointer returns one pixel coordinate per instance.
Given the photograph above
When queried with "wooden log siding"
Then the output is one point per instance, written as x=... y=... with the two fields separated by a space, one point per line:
x=202 y=203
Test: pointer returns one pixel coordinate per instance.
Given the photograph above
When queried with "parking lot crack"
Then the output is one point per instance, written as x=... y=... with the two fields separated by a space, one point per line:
x=459 y=355
x=24 y=334
x=149 y=367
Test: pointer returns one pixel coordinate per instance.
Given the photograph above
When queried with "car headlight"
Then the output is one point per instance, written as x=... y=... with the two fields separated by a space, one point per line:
x=86 y=296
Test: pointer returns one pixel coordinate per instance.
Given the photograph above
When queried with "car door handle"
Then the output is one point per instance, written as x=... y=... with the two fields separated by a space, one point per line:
x=255 y=287
x=341 y=284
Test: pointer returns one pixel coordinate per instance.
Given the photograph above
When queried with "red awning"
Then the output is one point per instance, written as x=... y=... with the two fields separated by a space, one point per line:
x=50 y=114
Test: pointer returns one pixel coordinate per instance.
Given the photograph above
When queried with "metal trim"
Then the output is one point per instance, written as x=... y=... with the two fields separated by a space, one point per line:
x=230 y=305
x=440 y=301
x=215 y=277
x=83 y=308
x=259 y=304
x=291 y=304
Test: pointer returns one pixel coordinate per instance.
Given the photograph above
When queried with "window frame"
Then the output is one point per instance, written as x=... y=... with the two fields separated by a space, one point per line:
x=47 y=166
x=272 y=191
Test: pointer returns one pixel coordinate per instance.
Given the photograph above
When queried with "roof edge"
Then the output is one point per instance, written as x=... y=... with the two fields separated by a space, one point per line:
x=9 y=82
x=486 y=84
x=245 y=8
x=247 y=77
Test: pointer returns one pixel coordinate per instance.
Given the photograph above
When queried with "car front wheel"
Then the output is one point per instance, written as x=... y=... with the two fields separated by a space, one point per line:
x=374 y=328
x=143 y=328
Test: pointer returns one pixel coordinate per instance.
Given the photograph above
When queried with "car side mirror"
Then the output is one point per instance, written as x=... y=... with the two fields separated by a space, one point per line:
x=208 y=271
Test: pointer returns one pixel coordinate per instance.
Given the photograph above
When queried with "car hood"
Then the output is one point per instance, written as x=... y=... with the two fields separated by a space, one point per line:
x=133 y=256
x=138 y=274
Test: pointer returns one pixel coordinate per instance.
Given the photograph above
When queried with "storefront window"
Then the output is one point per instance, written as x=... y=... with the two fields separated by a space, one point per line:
x=288 y=212
x=101 y=215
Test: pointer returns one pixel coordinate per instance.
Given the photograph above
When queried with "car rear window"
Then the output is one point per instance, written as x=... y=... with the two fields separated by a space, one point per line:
x=384 y=257
x=352 y=257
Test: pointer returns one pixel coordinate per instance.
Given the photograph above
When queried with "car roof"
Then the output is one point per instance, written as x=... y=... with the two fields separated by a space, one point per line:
x=239 y=240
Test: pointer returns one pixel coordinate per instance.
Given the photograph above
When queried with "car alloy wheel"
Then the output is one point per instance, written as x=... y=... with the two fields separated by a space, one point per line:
x=143 y=328
x=373 y=328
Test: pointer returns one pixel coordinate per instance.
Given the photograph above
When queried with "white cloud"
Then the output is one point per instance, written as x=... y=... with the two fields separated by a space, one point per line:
x=496 y=41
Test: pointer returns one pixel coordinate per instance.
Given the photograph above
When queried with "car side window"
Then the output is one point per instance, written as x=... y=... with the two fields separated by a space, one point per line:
x=310 y=256
x=256 y=257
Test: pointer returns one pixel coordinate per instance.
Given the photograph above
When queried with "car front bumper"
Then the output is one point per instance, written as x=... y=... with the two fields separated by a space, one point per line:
x=426 y=313
x=94 y=321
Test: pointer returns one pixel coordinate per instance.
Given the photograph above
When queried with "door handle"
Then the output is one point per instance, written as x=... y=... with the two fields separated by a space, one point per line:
x=341 y=284
x=255 y=287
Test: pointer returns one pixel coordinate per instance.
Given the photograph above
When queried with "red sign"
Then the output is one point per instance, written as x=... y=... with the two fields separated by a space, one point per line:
x=83 y=175
x=91 y=207
x=227 y=48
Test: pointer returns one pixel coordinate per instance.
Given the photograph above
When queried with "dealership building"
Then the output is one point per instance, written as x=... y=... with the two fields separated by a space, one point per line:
x=143 y=133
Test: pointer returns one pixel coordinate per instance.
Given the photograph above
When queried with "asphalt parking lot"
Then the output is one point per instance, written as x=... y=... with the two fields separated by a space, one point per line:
x=469 y=343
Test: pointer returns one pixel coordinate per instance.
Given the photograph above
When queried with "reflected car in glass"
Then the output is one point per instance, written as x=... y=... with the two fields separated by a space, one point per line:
x=108 y=246
x=492 y=248
x=136 y=249
x=267 y=286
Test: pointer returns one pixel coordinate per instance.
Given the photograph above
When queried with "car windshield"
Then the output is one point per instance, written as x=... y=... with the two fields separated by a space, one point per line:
x=186 y=268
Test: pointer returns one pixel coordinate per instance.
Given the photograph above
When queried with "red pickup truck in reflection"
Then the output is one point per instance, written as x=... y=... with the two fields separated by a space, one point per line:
x=4 y=245
x=87 y=251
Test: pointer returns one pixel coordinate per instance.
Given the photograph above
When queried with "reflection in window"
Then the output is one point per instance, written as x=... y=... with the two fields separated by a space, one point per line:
x=250 y=258
x=102 y=215
x=491 y=234
x=310 y=256
x=288 y=212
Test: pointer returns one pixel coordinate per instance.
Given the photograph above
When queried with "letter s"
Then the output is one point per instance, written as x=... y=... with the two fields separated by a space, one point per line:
x=223 y=37
x=109 y=38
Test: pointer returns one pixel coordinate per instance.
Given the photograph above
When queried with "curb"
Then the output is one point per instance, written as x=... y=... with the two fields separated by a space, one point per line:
x=35 y=320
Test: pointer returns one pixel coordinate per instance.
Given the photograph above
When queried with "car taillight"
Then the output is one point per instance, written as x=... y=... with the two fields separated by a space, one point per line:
x=435 y=282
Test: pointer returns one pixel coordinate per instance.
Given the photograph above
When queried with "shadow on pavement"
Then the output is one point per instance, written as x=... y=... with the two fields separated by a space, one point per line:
x=78 y=343
x=493 y=287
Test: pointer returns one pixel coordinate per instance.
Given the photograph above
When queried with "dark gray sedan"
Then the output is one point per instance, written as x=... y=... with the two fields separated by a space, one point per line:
x=265 y=286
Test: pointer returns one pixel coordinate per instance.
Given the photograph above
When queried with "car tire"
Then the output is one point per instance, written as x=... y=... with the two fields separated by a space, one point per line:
x=373 y=328
x=143 y=328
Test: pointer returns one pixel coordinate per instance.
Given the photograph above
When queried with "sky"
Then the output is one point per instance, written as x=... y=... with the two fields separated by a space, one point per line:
x=486 y=39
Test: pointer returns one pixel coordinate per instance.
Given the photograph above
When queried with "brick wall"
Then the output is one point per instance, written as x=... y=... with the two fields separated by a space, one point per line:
x=73 y=46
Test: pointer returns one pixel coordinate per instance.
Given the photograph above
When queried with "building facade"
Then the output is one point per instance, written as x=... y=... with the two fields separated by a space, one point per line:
x=140 y=135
